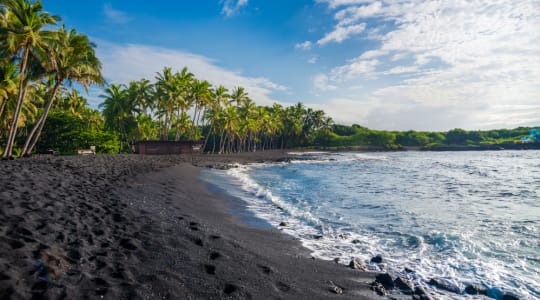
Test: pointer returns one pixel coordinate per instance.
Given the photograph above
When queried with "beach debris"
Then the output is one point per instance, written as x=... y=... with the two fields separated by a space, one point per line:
x=355 y=263
x=335 y=288
x=406 y=286
x=475 y=290
x=377 y=259
x=283 y=224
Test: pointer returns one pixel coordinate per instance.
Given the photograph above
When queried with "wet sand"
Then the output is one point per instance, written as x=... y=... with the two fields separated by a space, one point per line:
x=146 y=227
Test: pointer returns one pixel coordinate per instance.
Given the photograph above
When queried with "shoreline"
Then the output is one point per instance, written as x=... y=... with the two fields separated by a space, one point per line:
x=127 y=226
x=433 y=285
x=136 y=226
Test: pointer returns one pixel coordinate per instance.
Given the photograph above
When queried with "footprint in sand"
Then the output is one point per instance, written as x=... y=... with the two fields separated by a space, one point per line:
x=283 y=286
x=198 y=242
x=210 y=269
x=230 y=288
x=266 y=270
x=215 y=255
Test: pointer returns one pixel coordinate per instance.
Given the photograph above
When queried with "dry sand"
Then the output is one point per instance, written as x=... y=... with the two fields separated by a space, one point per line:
x=131 y=227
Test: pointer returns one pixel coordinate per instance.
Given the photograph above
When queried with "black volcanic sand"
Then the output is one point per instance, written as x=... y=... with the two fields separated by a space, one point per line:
x=127 y=226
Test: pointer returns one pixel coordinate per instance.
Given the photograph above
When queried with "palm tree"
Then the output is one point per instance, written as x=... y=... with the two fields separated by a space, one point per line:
x=230 y=125
x=171 y=94
x=214 y=113
x=73 y=59
x=22 y=27
x=141 y=94
x=201 y=95
x=117 y=110
x=184 y=101
x=73 y=103
x=239 y=95
x=8 y=83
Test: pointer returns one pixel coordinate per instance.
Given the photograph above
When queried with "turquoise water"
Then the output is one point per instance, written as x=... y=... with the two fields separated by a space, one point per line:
x=465 y=217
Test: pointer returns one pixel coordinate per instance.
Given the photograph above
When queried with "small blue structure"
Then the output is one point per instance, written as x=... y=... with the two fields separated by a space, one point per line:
x=534 y=137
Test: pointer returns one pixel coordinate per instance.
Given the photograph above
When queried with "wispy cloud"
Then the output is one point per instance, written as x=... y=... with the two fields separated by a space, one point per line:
x=320 y=82
x=304 y=46
x=356 y=67
x=341 y=33
x=231 y=7
x=124 y=63
x=115 y=16
x=465 y=61
x=337 y=3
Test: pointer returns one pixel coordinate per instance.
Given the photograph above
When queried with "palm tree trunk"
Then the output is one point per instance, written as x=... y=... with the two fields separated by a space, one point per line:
x=33 y=137
x=20 y=98
x=192 y=136
x=222 y=141
x=208 y=135
x=3 y=106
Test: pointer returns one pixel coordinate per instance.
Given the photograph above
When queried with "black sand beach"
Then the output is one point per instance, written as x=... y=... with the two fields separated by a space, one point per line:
x=145 y=227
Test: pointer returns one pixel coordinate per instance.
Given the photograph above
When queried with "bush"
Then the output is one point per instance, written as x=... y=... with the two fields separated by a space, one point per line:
x=66 y=133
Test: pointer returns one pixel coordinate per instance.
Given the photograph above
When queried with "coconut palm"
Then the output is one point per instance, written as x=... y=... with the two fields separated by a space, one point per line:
x=22 y=27
x=141 y=94
x=118 y=111
x=172 y=98
x=73 y=59
x=213 y=114
x=201 y=95
x=8 y=83
x=239 y=95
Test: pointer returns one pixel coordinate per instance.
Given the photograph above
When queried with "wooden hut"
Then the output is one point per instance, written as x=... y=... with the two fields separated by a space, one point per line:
x=167 y=147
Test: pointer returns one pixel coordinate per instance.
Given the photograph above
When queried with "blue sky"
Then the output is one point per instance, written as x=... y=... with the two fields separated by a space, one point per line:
x=398 y=65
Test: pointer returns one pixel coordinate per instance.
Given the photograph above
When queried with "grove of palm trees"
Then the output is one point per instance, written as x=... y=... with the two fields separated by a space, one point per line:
x=45 y=66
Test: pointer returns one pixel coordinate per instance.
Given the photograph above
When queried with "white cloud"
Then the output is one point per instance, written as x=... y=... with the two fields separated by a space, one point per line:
x=114 y=15
x=398 y=56
x=124 y=63
x=304 y=46
x=336 y=3
x=354 y=13
x=373 y=53
x=341 y=33
x=402 y=70
x=479 y=62
x=320 y=82
x=231 y=7
x=355 y=68
x=313 y=60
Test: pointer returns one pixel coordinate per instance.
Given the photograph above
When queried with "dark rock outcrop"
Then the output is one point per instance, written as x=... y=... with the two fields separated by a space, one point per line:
x=377 y=259
x=444 y=285
x=357 y=264
x=406 y=286
x=475 y=290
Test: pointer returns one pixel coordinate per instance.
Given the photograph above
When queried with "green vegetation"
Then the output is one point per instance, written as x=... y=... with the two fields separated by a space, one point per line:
x=37 y=63
x=178 y=106
x=41 y=110
x=343 y=137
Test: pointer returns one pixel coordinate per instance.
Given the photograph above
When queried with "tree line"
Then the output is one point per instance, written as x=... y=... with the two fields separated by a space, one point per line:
x=178 y=106
x=43 y=65
x=38 y=61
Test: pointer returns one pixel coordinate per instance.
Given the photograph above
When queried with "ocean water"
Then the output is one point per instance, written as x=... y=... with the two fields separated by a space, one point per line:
x=464 y=217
